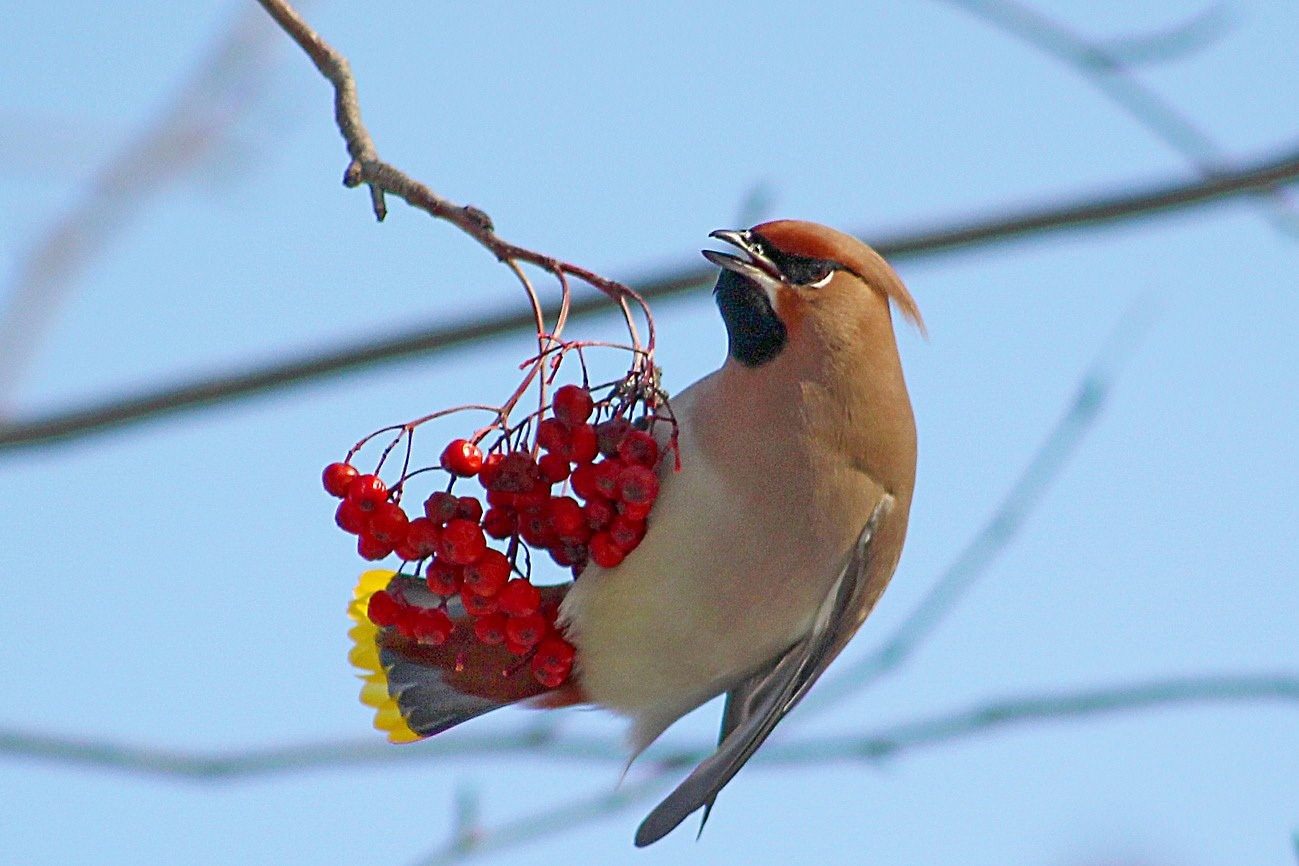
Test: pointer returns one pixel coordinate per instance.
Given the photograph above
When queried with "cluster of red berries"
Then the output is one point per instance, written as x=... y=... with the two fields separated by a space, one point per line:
x=610 y=467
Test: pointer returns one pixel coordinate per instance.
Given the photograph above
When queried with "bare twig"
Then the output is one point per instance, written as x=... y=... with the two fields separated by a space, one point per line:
x=118 y=411
x=1106 y=69
x=383 y=179
x=220 y=90
x=1007 y=519
x=980 y=718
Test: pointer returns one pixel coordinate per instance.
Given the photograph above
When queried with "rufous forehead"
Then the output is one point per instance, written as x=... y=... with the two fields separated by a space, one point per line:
x=808 y=239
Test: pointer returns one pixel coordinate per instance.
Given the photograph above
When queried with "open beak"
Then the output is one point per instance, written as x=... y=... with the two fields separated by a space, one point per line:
x=754 y=266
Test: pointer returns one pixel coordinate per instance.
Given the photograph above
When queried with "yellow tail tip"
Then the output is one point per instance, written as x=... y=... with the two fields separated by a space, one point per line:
x=364 y=656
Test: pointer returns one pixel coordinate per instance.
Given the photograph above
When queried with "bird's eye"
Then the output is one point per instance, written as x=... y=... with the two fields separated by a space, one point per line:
x=804 y=271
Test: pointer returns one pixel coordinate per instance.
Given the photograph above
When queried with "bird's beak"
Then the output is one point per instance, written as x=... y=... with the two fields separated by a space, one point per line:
x=755 y=266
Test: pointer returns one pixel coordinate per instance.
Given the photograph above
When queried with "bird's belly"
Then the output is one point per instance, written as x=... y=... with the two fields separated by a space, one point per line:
x=711 y=594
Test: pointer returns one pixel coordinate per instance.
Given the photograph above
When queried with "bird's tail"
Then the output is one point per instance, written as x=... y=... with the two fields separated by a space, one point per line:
x=417 y=689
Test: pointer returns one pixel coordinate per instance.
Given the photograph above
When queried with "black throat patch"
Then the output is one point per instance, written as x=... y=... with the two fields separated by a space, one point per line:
x=756 y=334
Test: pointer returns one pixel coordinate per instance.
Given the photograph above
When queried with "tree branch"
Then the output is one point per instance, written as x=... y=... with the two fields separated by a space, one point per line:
x=936 y=730
x=115 y=412
x=1107 y=69
x=366 y=168
x=981 y=718
x=220 y=90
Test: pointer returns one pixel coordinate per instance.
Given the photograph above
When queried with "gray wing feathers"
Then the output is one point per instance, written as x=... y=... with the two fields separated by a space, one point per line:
x=742 y=703
x=425 y=701
x=428 y=704
x=755 y=707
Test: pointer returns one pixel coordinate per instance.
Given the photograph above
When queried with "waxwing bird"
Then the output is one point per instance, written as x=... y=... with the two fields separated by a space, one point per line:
x=766 y=549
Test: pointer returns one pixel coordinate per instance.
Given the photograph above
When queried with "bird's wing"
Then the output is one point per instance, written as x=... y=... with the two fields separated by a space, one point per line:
x=756 y=706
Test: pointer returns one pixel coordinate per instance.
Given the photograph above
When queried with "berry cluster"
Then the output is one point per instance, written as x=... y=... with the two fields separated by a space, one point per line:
x=609 y=466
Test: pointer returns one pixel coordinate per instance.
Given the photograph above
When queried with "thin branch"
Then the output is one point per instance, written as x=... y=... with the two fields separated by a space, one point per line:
x=980 y=718
x=219 y=91
x=1183 y=38
x=1007 y=519
x=384 y=179
x=1106 y=69
x=100 y=416
x=663 y=763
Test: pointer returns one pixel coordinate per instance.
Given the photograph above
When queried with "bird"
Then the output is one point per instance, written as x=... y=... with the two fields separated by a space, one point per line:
x=772 y=539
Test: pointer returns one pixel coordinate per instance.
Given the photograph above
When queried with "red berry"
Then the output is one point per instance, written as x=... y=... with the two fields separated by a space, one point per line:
x=475 y=604
x=626 y=533
x=637 y=485
x=534 y=527
x=518 y=649
x=469 y=508
x=405 y=552
x=490 y=629
x=462 y=457
x=488 y=574
x=607 y=475
x=599 y=514
x=610 y=434
x=422 y=537
x=535 y=498
x=566 y=519
x=635 y=511
x=527 y=630
x=500 y=499
x=383 y=610
x=491 y=466
x=555 y=655
x=569 y=553
x=604 y=551
x=583 y=481
x=441 y=507
x=408 y=621
x=337 y=477
x=499 y=522
x=638 y=448
x=554 y=467
x=462 y=542
x=367 y=492
x=350 y=517
x=433 y=627
x=573 y=404
x=388 y=523
x=443 y=578
x=582 y=446
x=517 y=473
x=372 y=548
x=519 y=598
x=552 y=434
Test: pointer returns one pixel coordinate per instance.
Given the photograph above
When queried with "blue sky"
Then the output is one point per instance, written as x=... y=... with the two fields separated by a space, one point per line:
x=182 y=585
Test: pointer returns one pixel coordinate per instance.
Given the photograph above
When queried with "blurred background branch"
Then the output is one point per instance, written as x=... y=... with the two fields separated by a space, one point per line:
x=115 y=412
x=1107 y=68
x=195 y=123
x=1009 y=516
x=980 y=718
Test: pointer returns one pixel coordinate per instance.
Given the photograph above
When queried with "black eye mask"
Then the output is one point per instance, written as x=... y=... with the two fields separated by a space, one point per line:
x=799 y=270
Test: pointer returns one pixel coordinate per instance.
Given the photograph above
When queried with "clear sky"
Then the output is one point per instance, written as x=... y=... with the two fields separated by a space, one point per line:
x=181 y=585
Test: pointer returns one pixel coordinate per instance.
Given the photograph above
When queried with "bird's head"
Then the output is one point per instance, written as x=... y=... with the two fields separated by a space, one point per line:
x=794 y=274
